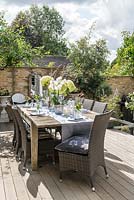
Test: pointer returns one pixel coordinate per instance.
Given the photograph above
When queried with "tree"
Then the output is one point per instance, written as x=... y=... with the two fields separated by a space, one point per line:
x=14 y=51
x=21 y=22
x=43 y=27
x=88 y=64
x=125 y=54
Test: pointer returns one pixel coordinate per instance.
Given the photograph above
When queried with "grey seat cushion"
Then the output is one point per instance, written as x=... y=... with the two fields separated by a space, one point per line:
x=75 y=144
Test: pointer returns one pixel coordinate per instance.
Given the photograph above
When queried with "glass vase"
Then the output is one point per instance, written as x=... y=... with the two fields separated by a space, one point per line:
x=58 y=109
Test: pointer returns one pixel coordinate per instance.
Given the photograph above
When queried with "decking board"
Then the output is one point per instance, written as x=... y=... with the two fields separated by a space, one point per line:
x=44 y=184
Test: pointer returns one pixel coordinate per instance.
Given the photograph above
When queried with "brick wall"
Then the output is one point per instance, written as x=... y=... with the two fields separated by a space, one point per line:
x=121 y=84
x=6 y=79
x=17 y=80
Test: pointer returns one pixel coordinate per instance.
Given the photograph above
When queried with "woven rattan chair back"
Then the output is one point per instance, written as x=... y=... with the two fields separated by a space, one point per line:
x=88 y=104
x=16 y=138
x=22 y=129
x=18 y=98
x=25 y=148
x=1 y=108
x=96 y=141
x=99 y=107
x=9 y=111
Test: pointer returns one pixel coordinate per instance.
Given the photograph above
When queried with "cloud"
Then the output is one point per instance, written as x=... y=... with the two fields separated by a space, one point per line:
x=112 y=56
x=77 y=24
x=26 y=2
x=118 y=15
x=11 y=11
x=111 y=17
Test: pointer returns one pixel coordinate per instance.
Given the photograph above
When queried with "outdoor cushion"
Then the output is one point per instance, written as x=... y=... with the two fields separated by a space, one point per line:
x=75 y=144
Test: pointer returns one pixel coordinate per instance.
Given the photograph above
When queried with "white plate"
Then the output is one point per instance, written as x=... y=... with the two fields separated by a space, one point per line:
x=32 y=109
x=75 y=119
x=26 y=106
x=37 y=114
x=84 y=110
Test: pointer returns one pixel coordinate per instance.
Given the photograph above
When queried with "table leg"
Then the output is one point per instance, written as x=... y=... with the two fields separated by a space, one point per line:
x=1 y=108
x=34 y=147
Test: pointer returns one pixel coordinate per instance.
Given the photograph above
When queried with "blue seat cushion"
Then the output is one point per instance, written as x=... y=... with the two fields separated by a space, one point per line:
x=75 y=144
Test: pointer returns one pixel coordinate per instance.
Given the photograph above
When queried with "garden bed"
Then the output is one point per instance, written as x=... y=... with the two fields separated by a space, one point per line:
x=121 y=125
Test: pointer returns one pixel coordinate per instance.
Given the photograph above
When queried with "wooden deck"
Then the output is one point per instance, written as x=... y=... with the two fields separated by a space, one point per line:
x=16 y=184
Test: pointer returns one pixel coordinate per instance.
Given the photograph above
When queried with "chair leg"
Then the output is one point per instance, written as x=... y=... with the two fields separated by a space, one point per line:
x=60 y=176
x=92 y=185
x=14 y=145
x=53 y=158
x=25 y=160
x=20 y=155
x=14 y=141
x=16 y=148
x=107 y=175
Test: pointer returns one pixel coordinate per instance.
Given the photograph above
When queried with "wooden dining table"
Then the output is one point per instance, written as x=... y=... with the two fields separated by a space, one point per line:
x=36 y=122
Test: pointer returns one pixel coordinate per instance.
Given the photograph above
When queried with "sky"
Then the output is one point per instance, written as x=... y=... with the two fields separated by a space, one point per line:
x=111 y=17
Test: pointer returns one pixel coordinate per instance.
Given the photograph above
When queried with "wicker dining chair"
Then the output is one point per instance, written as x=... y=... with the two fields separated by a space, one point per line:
x=16 y=142
x=1 y=108
x=46 y=143
x=8 y=109
x=88 y=104
x=84 y=153
x=18 y=98
x=99 y=107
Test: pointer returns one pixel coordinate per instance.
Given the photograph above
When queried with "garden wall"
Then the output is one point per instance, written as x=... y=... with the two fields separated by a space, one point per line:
x=121 y=84
x=17 y=79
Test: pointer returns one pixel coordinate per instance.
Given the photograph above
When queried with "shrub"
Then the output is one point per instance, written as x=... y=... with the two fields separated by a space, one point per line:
x=4 y=92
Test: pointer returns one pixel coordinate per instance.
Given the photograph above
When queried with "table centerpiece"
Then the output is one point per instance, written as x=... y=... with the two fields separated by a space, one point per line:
x=58 y=90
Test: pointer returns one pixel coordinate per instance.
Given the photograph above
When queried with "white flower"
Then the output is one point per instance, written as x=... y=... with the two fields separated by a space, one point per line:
x=126 y=103
x=59 y=86
x=45 y=80
x=59 y=79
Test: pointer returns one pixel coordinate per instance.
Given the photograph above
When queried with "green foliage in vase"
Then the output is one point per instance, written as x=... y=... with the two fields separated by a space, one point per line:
x=37 y=97
x=78 y=105
x=89 y=61
x=42 y=27
x=55 y=99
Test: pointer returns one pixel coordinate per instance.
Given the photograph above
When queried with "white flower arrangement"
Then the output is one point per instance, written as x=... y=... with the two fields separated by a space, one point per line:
x=45 y=81
x=58 y=87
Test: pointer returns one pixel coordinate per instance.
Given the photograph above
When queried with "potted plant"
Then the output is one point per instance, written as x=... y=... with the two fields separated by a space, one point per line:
x=130 y=103
x=4 y=98
x=4 y=92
